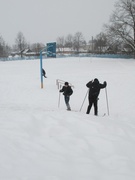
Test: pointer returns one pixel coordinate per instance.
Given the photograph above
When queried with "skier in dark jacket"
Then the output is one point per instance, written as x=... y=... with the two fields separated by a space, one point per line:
x=43 y=73
x=67 y=92
x=94 y=90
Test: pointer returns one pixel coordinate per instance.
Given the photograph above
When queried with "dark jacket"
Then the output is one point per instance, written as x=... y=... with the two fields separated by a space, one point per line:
x=67 y=91
x=43 y=72
x=94 y=88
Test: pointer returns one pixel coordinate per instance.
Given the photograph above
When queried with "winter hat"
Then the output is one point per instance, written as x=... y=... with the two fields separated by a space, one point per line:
x=66 y=83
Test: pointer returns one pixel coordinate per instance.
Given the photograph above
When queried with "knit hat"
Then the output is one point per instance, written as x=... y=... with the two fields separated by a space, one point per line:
x=66 y=83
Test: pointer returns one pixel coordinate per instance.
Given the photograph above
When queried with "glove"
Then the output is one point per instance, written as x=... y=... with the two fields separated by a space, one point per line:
x=105 y=83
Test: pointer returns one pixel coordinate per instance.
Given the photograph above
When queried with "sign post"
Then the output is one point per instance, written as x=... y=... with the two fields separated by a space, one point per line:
x=41 y=66
x=50 y=50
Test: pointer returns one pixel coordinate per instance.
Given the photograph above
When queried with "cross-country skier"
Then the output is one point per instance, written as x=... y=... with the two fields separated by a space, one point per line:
x=67 y=92
x=94 y=90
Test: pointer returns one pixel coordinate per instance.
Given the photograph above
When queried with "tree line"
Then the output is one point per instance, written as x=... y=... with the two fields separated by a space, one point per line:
x=19 y=46
x=118 y=33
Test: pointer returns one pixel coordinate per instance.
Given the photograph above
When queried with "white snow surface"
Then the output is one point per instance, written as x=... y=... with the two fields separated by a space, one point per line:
x=41 y=141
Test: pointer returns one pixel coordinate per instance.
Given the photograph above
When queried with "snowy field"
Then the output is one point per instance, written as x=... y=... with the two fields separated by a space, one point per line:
x=41 y=141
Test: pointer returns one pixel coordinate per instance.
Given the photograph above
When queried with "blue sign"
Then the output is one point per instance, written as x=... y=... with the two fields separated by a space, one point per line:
x=51 y=49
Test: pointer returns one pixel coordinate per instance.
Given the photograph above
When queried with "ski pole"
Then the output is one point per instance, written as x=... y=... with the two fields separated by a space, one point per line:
x=59 y=98
x=84 y=100
x=107 y=101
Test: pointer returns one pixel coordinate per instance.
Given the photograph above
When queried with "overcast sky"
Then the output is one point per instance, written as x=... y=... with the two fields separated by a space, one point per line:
x=46 y=20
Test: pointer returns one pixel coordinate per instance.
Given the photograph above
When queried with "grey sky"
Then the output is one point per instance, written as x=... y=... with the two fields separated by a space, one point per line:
x=45 y=20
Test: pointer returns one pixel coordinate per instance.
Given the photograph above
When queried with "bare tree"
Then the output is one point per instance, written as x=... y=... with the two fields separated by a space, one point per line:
x=122 y=23
x=78 y=41
x=4 y=48
x=37 y=47
x=61 y=43
x=20 y=42
x=2 y=44
x=100 y=42
x=69 y=41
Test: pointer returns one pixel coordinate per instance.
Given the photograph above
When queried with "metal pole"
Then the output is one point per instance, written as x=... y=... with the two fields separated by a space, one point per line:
x=59 y=98
x=41 y=70
x=84 y=100
x=41 y=64
x=107 y=101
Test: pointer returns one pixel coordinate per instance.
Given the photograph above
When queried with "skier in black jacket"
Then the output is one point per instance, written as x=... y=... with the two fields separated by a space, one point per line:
x=43 y=73
x=94 y=90
x=67 y=92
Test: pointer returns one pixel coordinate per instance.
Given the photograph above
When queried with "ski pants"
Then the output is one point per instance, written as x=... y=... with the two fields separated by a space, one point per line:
x=95 y=103
x=67 y=98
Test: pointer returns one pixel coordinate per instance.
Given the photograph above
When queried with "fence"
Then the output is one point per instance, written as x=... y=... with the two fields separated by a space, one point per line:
x=123 y=56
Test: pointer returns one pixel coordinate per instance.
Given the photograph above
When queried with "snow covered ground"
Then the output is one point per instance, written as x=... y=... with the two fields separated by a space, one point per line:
x=39 y=141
